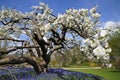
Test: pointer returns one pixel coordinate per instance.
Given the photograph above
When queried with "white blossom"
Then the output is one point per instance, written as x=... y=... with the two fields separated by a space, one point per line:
x=103 y=33
x=108 y=65
x=4 y=13
x=45 y=39
x=60 y=16
x=93 y=10
x=88 y=41
x=36 y=7
x=106 y=45
x=106 y=58
x=47 y=26
x=96 y=15
x=108 y=50
x=42 y=4
x=99 y=51
x=95 y=43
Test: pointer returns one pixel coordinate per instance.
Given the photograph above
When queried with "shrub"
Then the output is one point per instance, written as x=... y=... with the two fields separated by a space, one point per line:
x=117 y=64
x=92 y=64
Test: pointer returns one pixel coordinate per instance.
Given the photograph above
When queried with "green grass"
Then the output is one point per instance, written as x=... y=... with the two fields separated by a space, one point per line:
x=108 y=74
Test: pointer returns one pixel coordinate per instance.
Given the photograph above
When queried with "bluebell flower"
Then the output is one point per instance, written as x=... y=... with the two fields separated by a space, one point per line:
x=53 y=74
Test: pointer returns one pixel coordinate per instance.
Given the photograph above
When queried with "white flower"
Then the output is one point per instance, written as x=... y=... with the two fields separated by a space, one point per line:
x=87 y=20
x=42 y=4
x=4 y=13
x=106 y=45
x=74 y=11
x=93 y=10
x=108 y=50
x=99 y=51
x=88 y=41
x=69 y=11
x=96 y=35
x=45 y=39
x=84 y=11
x=47 y=26
x=59 y=19
x=41 y=8
x=36 y=7
x=96 y=15
x=106 y=57
x=95 y=43
x=82 y=49
x=60 y=16
x=69 y=18
x=55 y=22
x=103 y=33
x=38 y=16
x=108 y=65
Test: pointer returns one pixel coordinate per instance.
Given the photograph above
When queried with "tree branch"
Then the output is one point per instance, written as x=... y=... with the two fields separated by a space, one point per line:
x=11 y=21
x=16 y=48
x=56 y=37
x=12 y=60
x=83 y=35
x=32 y=36
x=55 y=48
x=10 y=39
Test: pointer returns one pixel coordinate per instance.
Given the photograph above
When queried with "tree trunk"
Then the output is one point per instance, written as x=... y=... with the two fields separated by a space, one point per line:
x=40 y=64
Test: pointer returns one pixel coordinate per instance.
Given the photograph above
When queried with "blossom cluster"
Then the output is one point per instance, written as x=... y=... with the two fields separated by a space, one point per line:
x=72 y=18
x=82 y=20
x=45 y=20
x=100 y=47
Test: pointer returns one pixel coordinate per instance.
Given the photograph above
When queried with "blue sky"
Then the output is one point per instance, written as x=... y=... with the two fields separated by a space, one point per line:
x=109 y=9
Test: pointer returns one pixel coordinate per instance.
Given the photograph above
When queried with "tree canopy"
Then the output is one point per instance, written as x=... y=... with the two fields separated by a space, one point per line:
x=39 y=33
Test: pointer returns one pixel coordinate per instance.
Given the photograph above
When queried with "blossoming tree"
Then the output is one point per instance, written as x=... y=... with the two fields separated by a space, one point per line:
x=36 y=35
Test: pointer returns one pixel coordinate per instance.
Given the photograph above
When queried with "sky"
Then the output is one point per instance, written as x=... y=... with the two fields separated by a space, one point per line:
x=109 y=9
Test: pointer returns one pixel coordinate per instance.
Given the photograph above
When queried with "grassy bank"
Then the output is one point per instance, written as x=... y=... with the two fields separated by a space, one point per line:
x=108 y=74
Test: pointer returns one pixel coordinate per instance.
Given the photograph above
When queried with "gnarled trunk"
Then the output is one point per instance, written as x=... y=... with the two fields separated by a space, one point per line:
x=40 y=64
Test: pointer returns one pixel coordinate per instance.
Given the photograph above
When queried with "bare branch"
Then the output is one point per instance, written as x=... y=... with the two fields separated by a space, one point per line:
x=55 y=48
x=56 y=34
x=56 y=37
x=10 y=39
x=11 y=21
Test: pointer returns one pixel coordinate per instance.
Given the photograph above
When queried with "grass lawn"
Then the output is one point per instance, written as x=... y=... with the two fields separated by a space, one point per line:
x=108 y=74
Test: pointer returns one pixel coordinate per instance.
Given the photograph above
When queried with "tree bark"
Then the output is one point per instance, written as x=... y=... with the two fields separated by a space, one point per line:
x=40 y=64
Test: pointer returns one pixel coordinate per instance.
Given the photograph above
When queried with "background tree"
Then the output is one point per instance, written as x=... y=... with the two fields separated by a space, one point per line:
x=70 y=57
x=114 y=42
x=40 y=33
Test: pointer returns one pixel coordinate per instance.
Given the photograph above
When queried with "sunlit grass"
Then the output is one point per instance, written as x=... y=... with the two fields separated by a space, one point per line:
x=108 y=74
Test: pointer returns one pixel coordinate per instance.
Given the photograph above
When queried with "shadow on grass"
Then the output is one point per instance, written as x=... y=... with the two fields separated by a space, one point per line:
x=115 y=70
